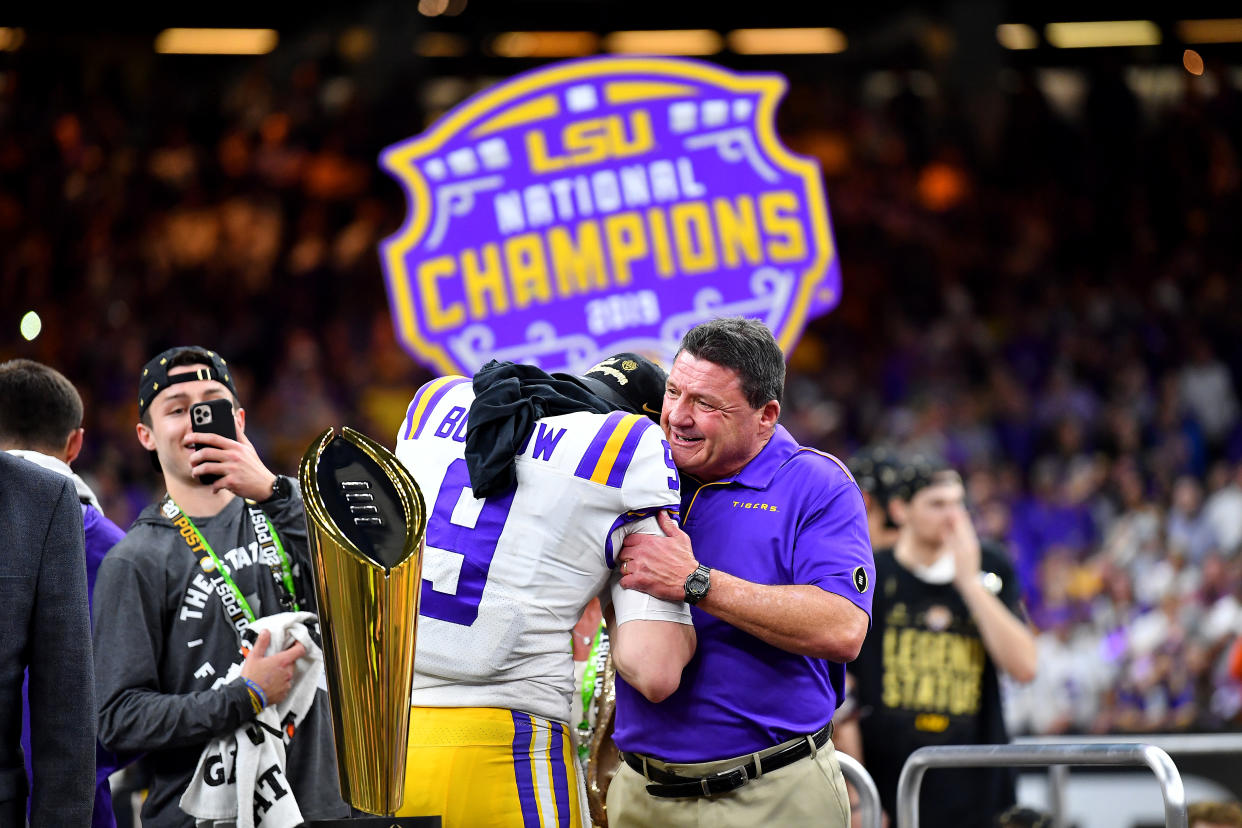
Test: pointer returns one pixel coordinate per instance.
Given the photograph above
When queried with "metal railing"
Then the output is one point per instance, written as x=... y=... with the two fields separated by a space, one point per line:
x=1175 y=744
x=1041 y=755
x=868 y=794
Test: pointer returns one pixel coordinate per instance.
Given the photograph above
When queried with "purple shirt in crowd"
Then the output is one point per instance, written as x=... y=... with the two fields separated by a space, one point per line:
x=793 y=515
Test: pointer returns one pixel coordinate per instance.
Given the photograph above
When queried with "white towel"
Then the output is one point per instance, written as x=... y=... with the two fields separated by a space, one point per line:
x=240 y=779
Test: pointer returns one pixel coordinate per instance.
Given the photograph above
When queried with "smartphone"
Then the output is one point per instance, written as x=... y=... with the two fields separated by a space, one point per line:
x=215 y=417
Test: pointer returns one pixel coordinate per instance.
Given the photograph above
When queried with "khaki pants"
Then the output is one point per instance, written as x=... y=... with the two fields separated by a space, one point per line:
x=811 y=792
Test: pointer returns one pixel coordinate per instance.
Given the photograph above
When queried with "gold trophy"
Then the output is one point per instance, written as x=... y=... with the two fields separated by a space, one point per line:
x=603 y=760
x=367 y=523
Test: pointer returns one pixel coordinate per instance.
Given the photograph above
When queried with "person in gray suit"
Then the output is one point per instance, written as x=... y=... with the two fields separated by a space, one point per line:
x=44 y=629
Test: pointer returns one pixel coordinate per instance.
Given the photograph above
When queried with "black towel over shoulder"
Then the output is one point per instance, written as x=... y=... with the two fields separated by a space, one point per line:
x=508 y=399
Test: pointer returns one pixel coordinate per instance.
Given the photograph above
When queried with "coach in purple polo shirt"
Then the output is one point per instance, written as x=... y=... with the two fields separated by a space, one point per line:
x=776 y=560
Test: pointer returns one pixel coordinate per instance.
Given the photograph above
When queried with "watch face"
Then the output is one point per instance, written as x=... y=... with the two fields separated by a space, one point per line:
x=697 y=584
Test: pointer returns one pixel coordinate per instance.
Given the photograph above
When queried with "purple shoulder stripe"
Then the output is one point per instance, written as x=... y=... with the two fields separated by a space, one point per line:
x=424 y=401
x=590 y=458
x=630 y=445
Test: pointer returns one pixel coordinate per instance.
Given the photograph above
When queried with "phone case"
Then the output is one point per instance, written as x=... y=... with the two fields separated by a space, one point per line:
x=213 y=417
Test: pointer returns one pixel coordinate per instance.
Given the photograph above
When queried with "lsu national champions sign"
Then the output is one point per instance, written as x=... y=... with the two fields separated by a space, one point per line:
x=604 y=205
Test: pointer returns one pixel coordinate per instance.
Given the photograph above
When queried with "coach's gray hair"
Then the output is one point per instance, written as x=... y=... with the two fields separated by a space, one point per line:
x=746 y=346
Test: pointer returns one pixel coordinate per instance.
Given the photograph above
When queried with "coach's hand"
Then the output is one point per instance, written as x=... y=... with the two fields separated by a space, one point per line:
x=274 y=673
x=658 y=565
x=238 y=464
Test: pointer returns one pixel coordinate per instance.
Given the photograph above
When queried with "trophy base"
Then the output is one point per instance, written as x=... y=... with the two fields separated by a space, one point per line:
x=377 y=822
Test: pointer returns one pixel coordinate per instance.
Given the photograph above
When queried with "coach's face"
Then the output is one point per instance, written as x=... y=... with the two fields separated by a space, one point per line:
x=710 y=426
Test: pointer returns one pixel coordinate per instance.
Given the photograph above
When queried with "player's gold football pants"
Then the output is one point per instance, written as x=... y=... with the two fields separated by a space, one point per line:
x=491 y=767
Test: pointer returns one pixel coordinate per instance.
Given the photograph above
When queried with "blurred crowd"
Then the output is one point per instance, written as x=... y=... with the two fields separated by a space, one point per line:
x=1052 y=307
x=1046 y=298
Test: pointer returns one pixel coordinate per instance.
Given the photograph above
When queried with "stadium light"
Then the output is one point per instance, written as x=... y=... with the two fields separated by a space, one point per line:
x=216 y=41
x=440 y=45
x=31 y=325
x=357 y=43
x=545 y=44
x=1222 y=30
x=822 y=41
x=11 y=39
x=1193 y=62
x=435 y=8
x=1016 y=36
x=1102 y=33
x=665 y=42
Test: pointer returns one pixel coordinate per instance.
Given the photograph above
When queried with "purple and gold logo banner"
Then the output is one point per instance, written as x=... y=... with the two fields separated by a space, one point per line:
x=604 y=205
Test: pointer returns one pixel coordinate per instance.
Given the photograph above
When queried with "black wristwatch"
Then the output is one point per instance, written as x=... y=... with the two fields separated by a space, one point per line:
x=282 y=487
x=698 y=583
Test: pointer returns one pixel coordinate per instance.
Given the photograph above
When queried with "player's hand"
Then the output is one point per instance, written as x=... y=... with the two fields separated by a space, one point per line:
x=273 y=673
x=964 y=543
x=238 y=464
x=658 y=565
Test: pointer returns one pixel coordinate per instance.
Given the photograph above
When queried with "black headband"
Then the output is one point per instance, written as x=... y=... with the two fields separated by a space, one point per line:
x=155 y=377
x=919 y=473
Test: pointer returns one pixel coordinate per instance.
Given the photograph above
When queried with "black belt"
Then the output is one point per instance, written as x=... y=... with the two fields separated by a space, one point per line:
x=672 y=785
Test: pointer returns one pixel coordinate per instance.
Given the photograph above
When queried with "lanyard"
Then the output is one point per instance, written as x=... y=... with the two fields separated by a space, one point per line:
x=592 y=684
x=235 y=604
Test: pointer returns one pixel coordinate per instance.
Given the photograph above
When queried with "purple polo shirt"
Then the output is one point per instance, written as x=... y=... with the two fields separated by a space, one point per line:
x=793 y=515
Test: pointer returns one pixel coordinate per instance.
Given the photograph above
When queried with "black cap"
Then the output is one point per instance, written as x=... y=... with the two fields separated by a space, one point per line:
x=876 y=470
x=919 y=472
x=155 y=376
x=630 y=382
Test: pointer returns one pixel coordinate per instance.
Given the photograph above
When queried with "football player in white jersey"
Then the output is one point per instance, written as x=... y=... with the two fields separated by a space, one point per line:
x=567 y=467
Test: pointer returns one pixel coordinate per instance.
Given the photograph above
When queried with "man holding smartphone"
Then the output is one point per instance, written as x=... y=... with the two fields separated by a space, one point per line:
x=192 y=573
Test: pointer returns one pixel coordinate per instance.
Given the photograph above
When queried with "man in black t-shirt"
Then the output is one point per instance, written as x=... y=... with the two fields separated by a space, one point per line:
x=947 y=616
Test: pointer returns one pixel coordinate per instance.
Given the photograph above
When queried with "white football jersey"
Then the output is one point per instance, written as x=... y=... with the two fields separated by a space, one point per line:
x=506 y=578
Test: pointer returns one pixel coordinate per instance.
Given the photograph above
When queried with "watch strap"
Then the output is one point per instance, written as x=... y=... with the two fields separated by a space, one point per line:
x=282 y=487
x=693 y=593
